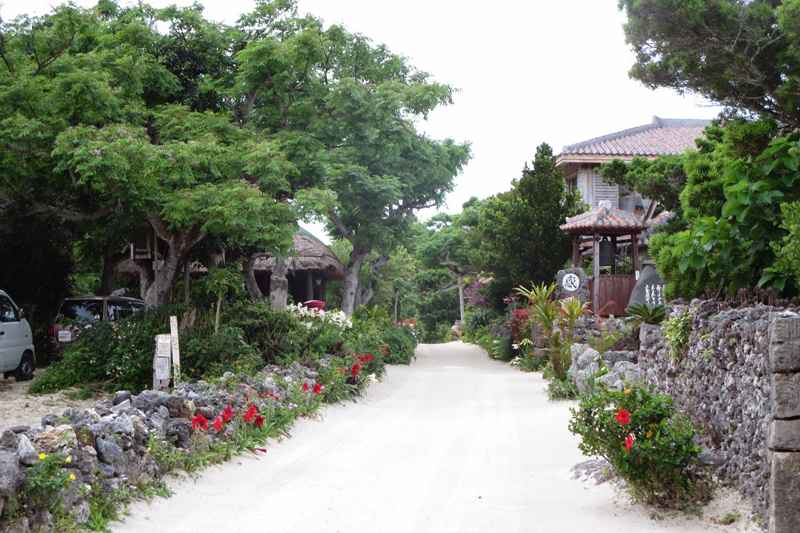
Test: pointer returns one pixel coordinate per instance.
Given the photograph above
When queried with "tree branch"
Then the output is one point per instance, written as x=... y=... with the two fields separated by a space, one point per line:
x=409 y=130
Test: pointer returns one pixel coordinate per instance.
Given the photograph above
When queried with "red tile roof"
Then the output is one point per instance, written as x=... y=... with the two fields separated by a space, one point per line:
x=604 y=218
x=660 y=137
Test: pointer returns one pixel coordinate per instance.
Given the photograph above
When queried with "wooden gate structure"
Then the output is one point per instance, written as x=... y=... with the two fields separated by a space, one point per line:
x=618 y=225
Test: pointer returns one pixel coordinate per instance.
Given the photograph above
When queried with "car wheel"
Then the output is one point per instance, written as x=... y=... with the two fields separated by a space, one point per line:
x=26 y=367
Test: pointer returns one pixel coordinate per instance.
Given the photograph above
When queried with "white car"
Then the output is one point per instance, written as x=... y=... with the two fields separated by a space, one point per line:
x=16 y=341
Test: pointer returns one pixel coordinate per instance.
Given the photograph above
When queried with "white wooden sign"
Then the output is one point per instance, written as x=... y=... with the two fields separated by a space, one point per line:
x=176 y=350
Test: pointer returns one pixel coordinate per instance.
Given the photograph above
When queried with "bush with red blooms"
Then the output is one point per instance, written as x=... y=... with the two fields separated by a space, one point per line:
x=649 y=445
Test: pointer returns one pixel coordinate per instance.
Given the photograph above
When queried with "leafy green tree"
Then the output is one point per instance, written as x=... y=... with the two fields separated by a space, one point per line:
x=736 y=247
x=661 y=179
x=742 y=54
x=787 y=251
x=444 y=244
x=213 y=133
x=518 y=237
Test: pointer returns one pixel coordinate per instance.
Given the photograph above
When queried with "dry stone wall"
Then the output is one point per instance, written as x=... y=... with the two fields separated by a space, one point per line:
x=724 y=380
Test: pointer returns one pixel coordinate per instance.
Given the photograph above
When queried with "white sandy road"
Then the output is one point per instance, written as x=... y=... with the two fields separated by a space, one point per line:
x=454 y=443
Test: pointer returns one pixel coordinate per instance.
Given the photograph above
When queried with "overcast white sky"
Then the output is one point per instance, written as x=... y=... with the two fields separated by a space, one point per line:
x=529 y=71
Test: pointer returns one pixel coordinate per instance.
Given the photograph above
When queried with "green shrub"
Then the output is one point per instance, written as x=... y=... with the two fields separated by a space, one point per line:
x=530 y=363
x=677 y=331
x=481 y=317
x=503 y=349
x=561 y=389
x=118 y=355
x=645 y=313
x=400 y=345
x=647 y=443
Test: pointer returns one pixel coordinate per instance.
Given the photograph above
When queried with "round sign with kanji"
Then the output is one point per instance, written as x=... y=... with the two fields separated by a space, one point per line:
x=571 y=283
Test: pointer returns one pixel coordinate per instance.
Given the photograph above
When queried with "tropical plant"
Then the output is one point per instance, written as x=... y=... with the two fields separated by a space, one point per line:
x=648 y=444
x=646 y=313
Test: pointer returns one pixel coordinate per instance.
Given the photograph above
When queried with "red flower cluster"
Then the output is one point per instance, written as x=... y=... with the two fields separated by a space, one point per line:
x=305 y=386
x=250 y=414
x=385 y=351
x=317 y=388
x=623 y=417
x=355 y=369
x=200 y=421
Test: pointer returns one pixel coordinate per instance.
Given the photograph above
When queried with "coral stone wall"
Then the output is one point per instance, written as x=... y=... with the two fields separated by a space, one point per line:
x=723 y=380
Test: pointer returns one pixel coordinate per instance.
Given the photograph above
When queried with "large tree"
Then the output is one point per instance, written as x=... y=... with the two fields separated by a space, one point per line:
x=216 y=131
x=518 y=234
x=743 y=54
x=443 y=244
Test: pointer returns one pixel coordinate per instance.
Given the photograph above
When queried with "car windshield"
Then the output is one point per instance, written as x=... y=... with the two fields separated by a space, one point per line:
x=118 y=309
x=89 y=311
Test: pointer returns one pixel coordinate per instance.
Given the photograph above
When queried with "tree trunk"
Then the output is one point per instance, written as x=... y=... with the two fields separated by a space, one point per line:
x=396 y=301
x=111 y=258
x=156 y=289
x=374 y=266
x=278 y=285
x=248 y=269
x=352 y=271
x=461 y=295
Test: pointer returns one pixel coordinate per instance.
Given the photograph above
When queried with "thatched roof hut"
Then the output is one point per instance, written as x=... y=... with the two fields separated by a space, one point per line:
x=309 y=254
x=310 y=266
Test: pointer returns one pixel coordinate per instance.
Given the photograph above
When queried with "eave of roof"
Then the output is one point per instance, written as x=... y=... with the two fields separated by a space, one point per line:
x=660 y=137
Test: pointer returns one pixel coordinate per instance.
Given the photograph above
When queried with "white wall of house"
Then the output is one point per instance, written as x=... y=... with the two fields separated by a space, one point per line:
x=592 y=188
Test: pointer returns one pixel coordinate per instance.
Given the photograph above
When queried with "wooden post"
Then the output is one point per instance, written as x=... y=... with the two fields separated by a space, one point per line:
x=309 y=285
x=186 y=282
x=155 y=265
x=576 y=250
x=614 y=257
x=176 y=350
x=635 y=255
x=596 y=270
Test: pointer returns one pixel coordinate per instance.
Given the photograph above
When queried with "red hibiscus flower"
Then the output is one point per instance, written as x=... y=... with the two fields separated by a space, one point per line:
x=200 y=421
x=227 y=414
x=623 y=417
x=628 y=443
x=317 y=388
x=305 y=386
x=251 y=413
x=258 y=421
x=355 y=369
x=217 y=424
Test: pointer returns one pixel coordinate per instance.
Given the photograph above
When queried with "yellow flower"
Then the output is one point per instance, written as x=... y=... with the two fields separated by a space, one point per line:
x=649 y=434
x=72 y=477
x=628 y=391
x=69 y=459
x=42 y=455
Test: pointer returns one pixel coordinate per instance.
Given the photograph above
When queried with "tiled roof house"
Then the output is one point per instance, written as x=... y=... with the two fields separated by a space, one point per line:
x=581 y=161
